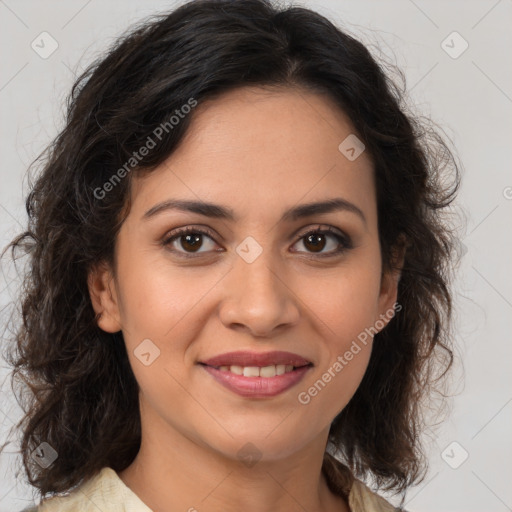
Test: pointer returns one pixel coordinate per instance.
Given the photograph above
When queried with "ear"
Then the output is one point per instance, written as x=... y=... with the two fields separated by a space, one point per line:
x=389 y=284
x=102 y=291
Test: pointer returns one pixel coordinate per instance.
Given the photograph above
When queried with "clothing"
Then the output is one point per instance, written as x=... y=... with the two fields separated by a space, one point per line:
x=108 y=493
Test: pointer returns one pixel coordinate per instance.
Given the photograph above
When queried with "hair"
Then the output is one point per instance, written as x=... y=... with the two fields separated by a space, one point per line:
x=74 y=380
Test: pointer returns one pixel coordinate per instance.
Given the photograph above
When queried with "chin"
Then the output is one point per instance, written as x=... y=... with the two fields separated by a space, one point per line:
x=255 y=446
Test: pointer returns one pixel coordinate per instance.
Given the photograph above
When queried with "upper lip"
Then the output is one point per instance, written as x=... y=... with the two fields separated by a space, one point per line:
x=246 y=358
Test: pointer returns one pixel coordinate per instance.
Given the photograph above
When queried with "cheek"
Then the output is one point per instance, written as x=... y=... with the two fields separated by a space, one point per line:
x=335 y=383
x=347 y=305
x=345 y=313
x=159 y=299
x=167 y=306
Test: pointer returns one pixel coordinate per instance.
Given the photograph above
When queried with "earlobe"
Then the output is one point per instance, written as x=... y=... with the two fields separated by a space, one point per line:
x=103 y=295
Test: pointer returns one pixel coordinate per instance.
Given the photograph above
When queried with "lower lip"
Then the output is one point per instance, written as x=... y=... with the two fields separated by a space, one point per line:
x=257 y=387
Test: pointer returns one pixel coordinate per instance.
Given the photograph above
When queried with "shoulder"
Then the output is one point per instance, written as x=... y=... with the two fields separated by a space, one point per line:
x=359 y=496
x=362 y=499
x=105 y=491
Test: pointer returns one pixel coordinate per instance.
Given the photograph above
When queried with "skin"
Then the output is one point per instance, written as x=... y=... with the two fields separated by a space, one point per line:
x=238 y=153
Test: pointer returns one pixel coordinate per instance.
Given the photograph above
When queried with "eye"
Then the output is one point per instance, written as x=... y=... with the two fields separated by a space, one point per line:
x=318 y=239
x=190 y=240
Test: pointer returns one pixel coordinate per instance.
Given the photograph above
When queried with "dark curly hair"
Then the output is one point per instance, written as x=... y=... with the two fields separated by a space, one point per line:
x=74 y=380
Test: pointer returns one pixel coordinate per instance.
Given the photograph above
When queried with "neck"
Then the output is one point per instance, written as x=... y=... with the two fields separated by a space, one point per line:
x=172 y=472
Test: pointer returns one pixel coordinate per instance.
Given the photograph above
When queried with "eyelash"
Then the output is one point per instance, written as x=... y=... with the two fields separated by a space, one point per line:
x=343 y=241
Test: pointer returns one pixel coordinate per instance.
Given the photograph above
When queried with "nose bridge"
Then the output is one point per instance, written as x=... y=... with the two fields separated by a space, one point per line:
x=258 y=297
x=259 y=275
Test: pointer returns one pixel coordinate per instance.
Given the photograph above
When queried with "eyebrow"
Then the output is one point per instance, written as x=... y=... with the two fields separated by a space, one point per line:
x=222 y=212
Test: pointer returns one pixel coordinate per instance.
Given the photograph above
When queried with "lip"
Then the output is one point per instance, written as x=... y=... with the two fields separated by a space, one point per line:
x=246 y=358
x=257 y=387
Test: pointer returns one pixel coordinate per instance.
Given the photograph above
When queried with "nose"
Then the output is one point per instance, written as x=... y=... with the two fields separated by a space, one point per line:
x=258 y=299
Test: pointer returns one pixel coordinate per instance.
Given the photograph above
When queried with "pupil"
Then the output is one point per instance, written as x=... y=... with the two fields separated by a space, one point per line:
x=317 y=246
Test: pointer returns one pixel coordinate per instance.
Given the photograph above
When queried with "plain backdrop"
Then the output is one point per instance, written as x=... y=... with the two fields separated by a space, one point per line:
x=468 y=91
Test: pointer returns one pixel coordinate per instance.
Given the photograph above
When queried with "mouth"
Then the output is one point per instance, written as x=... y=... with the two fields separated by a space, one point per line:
x=247 y=359
x=255 y=375
x=268 y=371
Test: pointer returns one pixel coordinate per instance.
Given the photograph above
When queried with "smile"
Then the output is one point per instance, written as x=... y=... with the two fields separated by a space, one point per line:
x=256 y=371
x=257 y=375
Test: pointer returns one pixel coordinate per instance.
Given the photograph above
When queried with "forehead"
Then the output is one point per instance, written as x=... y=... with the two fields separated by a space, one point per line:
x=253 y=146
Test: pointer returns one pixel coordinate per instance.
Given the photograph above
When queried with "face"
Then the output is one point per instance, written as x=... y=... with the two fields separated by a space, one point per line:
x=257 y=274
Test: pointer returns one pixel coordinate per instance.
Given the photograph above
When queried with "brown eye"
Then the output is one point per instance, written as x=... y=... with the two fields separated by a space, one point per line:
x=329 y=239
x=189 y=241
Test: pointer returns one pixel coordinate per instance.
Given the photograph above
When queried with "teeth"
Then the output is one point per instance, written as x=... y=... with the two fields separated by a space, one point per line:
x=251 y=371
x=256 y=371
x=268 y=371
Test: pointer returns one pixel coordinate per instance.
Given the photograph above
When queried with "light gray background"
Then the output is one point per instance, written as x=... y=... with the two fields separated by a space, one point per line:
x=470 y=96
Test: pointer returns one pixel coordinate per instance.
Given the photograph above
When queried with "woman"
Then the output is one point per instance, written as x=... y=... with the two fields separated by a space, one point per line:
x=239 y=273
